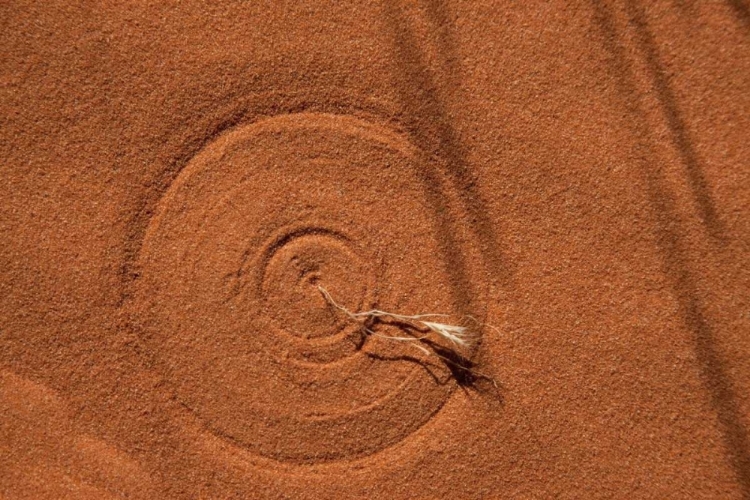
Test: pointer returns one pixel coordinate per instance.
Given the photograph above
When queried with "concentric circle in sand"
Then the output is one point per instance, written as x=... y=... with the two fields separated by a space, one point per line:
x=230 y=267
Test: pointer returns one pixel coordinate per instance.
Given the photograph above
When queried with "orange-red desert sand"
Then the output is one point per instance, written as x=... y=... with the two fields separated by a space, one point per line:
x=222 y=222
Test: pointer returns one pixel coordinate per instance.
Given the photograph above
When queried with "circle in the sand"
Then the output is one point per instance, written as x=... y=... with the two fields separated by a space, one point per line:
x=293 y=267
x=229 y=272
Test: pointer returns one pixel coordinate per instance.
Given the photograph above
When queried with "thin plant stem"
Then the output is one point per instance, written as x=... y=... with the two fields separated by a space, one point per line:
x=457 y=335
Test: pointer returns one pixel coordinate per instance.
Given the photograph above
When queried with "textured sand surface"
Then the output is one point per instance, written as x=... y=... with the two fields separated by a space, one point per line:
x=178 y=179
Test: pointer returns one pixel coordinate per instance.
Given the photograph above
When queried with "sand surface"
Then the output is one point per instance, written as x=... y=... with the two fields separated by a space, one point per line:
x=178 y=179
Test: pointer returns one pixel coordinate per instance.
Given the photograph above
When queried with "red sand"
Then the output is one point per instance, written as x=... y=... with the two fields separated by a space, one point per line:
x=179 y=179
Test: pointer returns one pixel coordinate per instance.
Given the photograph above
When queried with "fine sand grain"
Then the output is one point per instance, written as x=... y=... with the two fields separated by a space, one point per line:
x=182 y=180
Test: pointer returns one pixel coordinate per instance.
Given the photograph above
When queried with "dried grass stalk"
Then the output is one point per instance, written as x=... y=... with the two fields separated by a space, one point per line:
x=457 y=335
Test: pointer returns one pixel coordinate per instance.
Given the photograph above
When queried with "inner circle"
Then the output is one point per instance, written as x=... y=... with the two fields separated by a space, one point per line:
x=294 y=270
